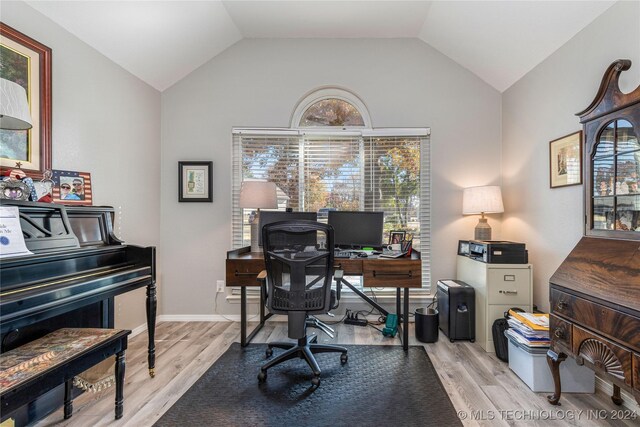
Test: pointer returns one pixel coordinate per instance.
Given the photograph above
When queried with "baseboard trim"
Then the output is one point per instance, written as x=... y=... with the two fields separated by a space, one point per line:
x=138 y=330
x=628 y=401
x=200 y=318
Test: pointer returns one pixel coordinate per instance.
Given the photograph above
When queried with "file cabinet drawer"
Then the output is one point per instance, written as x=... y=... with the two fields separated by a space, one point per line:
x=509 y=286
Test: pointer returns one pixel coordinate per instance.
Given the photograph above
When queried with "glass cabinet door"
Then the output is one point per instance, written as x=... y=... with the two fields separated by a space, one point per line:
x=616 y=172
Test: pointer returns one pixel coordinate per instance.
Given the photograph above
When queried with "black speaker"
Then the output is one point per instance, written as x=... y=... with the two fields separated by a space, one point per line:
x=457 y=310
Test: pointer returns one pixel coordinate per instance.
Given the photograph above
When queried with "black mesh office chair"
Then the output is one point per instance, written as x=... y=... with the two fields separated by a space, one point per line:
x=298 y=284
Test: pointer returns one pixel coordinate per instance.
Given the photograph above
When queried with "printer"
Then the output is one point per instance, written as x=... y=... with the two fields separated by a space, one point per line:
x=498 y=252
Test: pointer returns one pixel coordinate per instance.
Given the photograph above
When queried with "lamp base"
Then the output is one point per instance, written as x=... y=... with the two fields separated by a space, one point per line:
x=255 y=233
x=483 y=230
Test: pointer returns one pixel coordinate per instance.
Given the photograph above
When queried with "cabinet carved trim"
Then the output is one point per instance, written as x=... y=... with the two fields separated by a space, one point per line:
x=597 y=353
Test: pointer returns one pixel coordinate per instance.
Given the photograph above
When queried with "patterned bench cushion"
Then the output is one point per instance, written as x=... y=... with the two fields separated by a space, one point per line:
x=36 y=357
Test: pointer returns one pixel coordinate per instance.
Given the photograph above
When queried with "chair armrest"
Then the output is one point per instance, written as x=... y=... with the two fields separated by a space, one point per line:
x=262 y=276
x=262 y=279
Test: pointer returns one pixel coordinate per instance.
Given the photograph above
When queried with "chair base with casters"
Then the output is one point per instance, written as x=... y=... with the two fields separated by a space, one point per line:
x=304 y=349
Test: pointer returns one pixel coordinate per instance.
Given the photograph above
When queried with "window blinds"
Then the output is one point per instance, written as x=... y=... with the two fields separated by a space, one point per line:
x=342 y=170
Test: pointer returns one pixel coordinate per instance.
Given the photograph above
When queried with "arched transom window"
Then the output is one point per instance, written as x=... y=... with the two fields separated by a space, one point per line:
x=331 y=107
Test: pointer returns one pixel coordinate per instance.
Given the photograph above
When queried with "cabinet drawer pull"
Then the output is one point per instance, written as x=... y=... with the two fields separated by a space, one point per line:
x=559 y=333
x=562 y=305
x=409 y=274
x=514 y=292
x=245 y=274
x=509 y=277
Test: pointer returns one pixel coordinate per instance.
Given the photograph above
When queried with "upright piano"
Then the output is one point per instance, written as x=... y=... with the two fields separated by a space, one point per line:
x=77 y=268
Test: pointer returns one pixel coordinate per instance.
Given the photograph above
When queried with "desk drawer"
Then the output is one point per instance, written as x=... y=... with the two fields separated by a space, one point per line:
x=392 y=273
x=605 y=355
x=560 y=332
x=351 y=267
x=618 y=326
x=243 y=272
x=509 y=286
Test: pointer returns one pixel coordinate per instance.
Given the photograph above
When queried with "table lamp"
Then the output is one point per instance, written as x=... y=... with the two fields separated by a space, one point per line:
x=257 y=195
x=14 y=107
x=482 y=200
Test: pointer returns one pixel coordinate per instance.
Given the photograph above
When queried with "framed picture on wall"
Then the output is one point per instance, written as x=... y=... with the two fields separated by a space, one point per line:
x=565 y=160
x=72 y=188
x=27 y=63
x=195 y=181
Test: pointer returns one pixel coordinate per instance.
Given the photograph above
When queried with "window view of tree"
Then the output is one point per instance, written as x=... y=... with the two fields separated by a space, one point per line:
x=331 y=112
x=349 y=173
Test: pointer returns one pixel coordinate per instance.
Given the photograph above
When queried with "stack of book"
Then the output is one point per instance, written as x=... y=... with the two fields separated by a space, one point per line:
x=529 y=329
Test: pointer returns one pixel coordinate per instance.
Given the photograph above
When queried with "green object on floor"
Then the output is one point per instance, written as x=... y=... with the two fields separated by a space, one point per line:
x=391 y=326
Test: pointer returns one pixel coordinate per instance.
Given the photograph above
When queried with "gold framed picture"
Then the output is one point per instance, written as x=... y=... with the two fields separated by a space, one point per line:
x=565 y=160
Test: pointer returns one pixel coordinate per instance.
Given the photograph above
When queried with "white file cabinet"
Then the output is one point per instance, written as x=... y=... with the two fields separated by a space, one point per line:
x=498 y=287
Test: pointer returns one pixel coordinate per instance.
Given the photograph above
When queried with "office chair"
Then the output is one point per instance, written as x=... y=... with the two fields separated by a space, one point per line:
x=298 y=284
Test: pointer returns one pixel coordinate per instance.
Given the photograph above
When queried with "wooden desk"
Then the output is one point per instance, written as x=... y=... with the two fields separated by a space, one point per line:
x=243 y=267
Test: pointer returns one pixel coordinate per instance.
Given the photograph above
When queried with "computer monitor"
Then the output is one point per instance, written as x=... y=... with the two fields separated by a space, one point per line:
x=268 y=217
x=356 y=229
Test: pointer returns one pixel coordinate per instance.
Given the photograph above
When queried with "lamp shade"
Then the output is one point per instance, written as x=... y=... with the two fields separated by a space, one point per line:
x=258 y=195
x=14 y=107
x=485 y=199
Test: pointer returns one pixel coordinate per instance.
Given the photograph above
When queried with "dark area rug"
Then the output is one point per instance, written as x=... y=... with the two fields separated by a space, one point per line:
x=378 y=386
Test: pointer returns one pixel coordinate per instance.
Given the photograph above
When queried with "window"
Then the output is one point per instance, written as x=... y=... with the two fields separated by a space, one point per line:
x=382 y=170
x=330 y=159
x=331 y=112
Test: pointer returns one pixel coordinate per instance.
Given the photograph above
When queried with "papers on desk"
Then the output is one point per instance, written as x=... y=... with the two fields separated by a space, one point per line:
x=392 y=254
x=11 y=237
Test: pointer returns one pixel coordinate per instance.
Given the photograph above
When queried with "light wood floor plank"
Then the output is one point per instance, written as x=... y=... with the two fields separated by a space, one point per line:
x=474 y=380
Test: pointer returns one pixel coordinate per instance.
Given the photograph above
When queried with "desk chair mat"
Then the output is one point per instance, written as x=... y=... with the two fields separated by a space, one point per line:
x=380 y=385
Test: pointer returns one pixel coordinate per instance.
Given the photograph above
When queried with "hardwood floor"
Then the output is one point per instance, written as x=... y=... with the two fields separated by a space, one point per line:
x=475 y=380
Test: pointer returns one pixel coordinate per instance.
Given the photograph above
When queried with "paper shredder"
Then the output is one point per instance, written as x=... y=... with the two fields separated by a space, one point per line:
x=457 y=307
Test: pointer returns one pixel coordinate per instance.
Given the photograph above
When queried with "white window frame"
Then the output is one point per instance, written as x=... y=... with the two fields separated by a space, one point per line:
x=330 y=92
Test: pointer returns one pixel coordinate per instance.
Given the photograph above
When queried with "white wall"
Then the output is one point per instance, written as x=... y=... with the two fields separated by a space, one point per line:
x=541 y=107
x=259 y=82
x=106 y=122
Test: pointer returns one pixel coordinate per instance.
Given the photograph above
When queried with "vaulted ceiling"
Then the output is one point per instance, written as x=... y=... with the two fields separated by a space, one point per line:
x=161 y=42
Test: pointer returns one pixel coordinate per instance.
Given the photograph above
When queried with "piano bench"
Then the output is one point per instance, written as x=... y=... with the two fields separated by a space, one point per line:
x=39 y=366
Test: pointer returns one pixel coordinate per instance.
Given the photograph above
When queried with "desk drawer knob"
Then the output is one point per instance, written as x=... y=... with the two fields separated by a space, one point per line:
x=559 y=333
x=562 y=305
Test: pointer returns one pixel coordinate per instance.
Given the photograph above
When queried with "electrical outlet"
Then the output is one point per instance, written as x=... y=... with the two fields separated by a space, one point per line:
x=220 y=285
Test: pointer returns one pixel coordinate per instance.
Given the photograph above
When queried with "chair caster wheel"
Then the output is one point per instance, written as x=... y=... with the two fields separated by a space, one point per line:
x=262 y=376
x=472 y=341
x=269 y=352
x=451 y=340
x=316 y=381
x=344 y=358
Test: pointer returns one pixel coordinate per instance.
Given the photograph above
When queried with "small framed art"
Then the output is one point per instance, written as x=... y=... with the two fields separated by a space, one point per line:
x=195 y=181
x=72 y=188
x=565 y=160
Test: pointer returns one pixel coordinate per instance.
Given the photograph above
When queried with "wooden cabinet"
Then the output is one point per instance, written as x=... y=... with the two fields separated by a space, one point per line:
x=498 y=287
x=595 y=293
